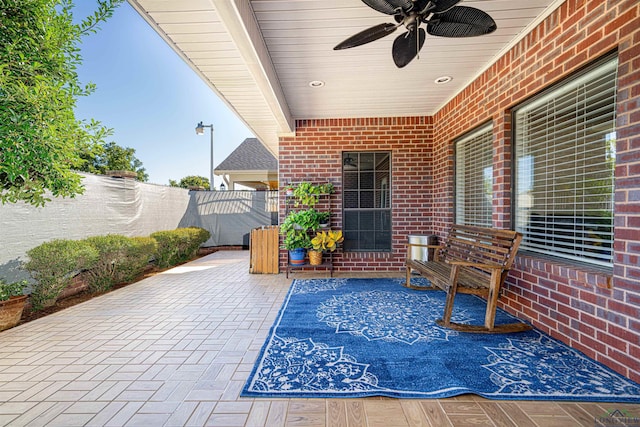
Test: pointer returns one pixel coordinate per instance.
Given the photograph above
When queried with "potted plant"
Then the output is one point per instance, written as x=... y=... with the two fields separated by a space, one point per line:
x=288 y=190
x=327 y=188
x=297 y=242
x=301 y=220
x=324 y=219
x=306 y=194
x=324 y=241
x=12 y=302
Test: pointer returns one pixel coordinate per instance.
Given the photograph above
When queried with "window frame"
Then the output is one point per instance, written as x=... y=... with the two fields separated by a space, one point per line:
x=585 y=238
x=384 y=245
x=477 y=135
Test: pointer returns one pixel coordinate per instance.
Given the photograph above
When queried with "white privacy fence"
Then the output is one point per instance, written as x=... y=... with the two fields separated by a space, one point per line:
x=131 y=208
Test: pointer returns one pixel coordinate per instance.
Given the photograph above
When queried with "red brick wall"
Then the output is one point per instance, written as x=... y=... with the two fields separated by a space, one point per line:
x=582 y=306
x=315 y=154
x=594 y=310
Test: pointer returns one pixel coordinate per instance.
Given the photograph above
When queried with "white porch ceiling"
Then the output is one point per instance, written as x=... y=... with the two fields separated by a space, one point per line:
x=260 y=55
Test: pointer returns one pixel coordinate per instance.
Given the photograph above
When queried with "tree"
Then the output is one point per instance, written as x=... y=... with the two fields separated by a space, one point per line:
x=191 y=181
x=111 y=156
x=40 y=138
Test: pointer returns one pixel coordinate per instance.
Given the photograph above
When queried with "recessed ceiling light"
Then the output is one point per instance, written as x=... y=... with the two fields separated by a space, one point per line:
x=442 y=80
x=316 y=83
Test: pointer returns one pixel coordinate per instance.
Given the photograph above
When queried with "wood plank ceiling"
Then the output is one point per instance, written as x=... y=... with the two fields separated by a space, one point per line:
x=260 y=56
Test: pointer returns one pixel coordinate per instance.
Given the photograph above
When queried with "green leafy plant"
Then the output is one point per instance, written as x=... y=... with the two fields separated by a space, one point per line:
x=191 y=181
x=179 y=245
x=15 y=289
x=305 y=219
x=306 y=194
x=53 y=265
x=40 y=137
x=112 y=157
x=295 y=239
x=324 y=217
x=327 y=188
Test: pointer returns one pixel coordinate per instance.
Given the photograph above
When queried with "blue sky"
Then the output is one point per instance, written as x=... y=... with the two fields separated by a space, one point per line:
x=152 y=99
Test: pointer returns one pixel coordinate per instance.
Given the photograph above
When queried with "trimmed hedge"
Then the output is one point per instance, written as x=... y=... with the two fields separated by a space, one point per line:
x=179 y=245
x=106 y=260
x=53 y=265
x=120 y=259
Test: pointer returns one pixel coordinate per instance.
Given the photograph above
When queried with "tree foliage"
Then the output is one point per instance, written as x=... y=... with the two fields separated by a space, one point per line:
x=191 y=181
x=40 y=137
x=111 y=156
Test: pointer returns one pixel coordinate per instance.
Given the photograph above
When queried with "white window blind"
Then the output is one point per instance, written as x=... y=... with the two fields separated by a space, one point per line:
x=474 y=177
x=565 y=160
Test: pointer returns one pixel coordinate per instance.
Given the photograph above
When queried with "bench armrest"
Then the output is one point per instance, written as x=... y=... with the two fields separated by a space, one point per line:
x=482 y=266
x=436 y=249
x=425 y=246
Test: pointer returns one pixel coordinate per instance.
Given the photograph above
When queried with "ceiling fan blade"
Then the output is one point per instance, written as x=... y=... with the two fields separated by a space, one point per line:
x=366 y=36
x=407 y=46
x=389 y=6
x=461 y=21
x=444 y=5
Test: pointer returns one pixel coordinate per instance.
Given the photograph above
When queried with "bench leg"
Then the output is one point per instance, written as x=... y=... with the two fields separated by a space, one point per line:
x=492 y=301
x=407 y=283
x=448 y=306
x=490 y=315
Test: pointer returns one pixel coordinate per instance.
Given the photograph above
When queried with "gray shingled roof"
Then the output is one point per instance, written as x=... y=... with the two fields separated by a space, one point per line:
x=250 y=155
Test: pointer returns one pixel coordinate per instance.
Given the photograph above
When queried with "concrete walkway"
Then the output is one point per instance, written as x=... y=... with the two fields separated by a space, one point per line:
x=175 y=349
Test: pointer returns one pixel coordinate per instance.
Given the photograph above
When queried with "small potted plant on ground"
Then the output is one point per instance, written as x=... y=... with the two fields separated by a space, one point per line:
x=324 y=241
x=12 y=302
x=297 y=242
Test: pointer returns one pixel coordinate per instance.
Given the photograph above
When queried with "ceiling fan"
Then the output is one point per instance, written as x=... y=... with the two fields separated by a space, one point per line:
x=442 y=18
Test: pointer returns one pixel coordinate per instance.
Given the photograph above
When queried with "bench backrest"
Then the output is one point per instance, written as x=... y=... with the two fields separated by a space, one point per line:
x=482 y=245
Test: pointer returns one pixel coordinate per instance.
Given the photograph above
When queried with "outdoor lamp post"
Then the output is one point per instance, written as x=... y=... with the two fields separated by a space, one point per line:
x=199 y=131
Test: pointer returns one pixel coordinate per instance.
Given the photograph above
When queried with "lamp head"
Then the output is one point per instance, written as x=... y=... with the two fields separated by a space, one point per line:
x=199 y=129
x=223 y=187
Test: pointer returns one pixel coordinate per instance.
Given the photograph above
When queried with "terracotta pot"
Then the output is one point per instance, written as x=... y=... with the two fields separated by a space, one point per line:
x=11 y=311
x=315 y=257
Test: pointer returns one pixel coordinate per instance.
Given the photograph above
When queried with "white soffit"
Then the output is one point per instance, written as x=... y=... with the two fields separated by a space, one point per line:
x=220 y=40
x=260 y=56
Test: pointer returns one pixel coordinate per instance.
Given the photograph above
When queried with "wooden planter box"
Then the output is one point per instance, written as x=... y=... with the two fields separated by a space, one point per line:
x=264 y=251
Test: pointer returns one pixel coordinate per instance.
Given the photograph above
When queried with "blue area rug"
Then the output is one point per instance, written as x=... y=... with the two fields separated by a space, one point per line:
x=373 y=337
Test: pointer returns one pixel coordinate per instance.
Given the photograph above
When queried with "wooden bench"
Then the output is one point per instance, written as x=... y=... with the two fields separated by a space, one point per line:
x=474 y=260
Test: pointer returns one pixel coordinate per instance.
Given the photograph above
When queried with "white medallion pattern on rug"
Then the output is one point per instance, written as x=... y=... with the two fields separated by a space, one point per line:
x=537 y=366
x=313 y=286
x=292 y=364
x=390 y=316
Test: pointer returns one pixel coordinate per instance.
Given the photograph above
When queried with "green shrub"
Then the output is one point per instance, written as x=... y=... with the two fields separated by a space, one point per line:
x=120 y=259
x=179 y=245
x=139 y=253
x=111 y=250
x=53 y=265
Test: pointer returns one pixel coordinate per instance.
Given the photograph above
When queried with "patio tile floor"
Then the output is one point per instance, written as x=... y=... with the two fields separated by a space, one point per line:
x=175 y=349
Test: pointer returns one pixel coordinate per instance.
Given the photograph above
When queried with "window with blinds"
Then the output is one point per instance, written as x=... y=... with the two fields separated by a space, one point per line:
x=565 y=158
x=474 y=177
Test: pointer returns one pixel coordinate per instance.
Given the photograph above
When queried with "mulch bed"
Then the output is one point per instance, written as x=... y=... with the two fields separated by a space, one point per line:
x=70 y=301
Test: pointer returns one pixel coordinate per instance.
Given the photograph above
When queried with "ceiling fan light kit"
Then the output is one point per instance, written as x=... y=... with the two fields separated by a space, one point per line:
x=443 y=18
